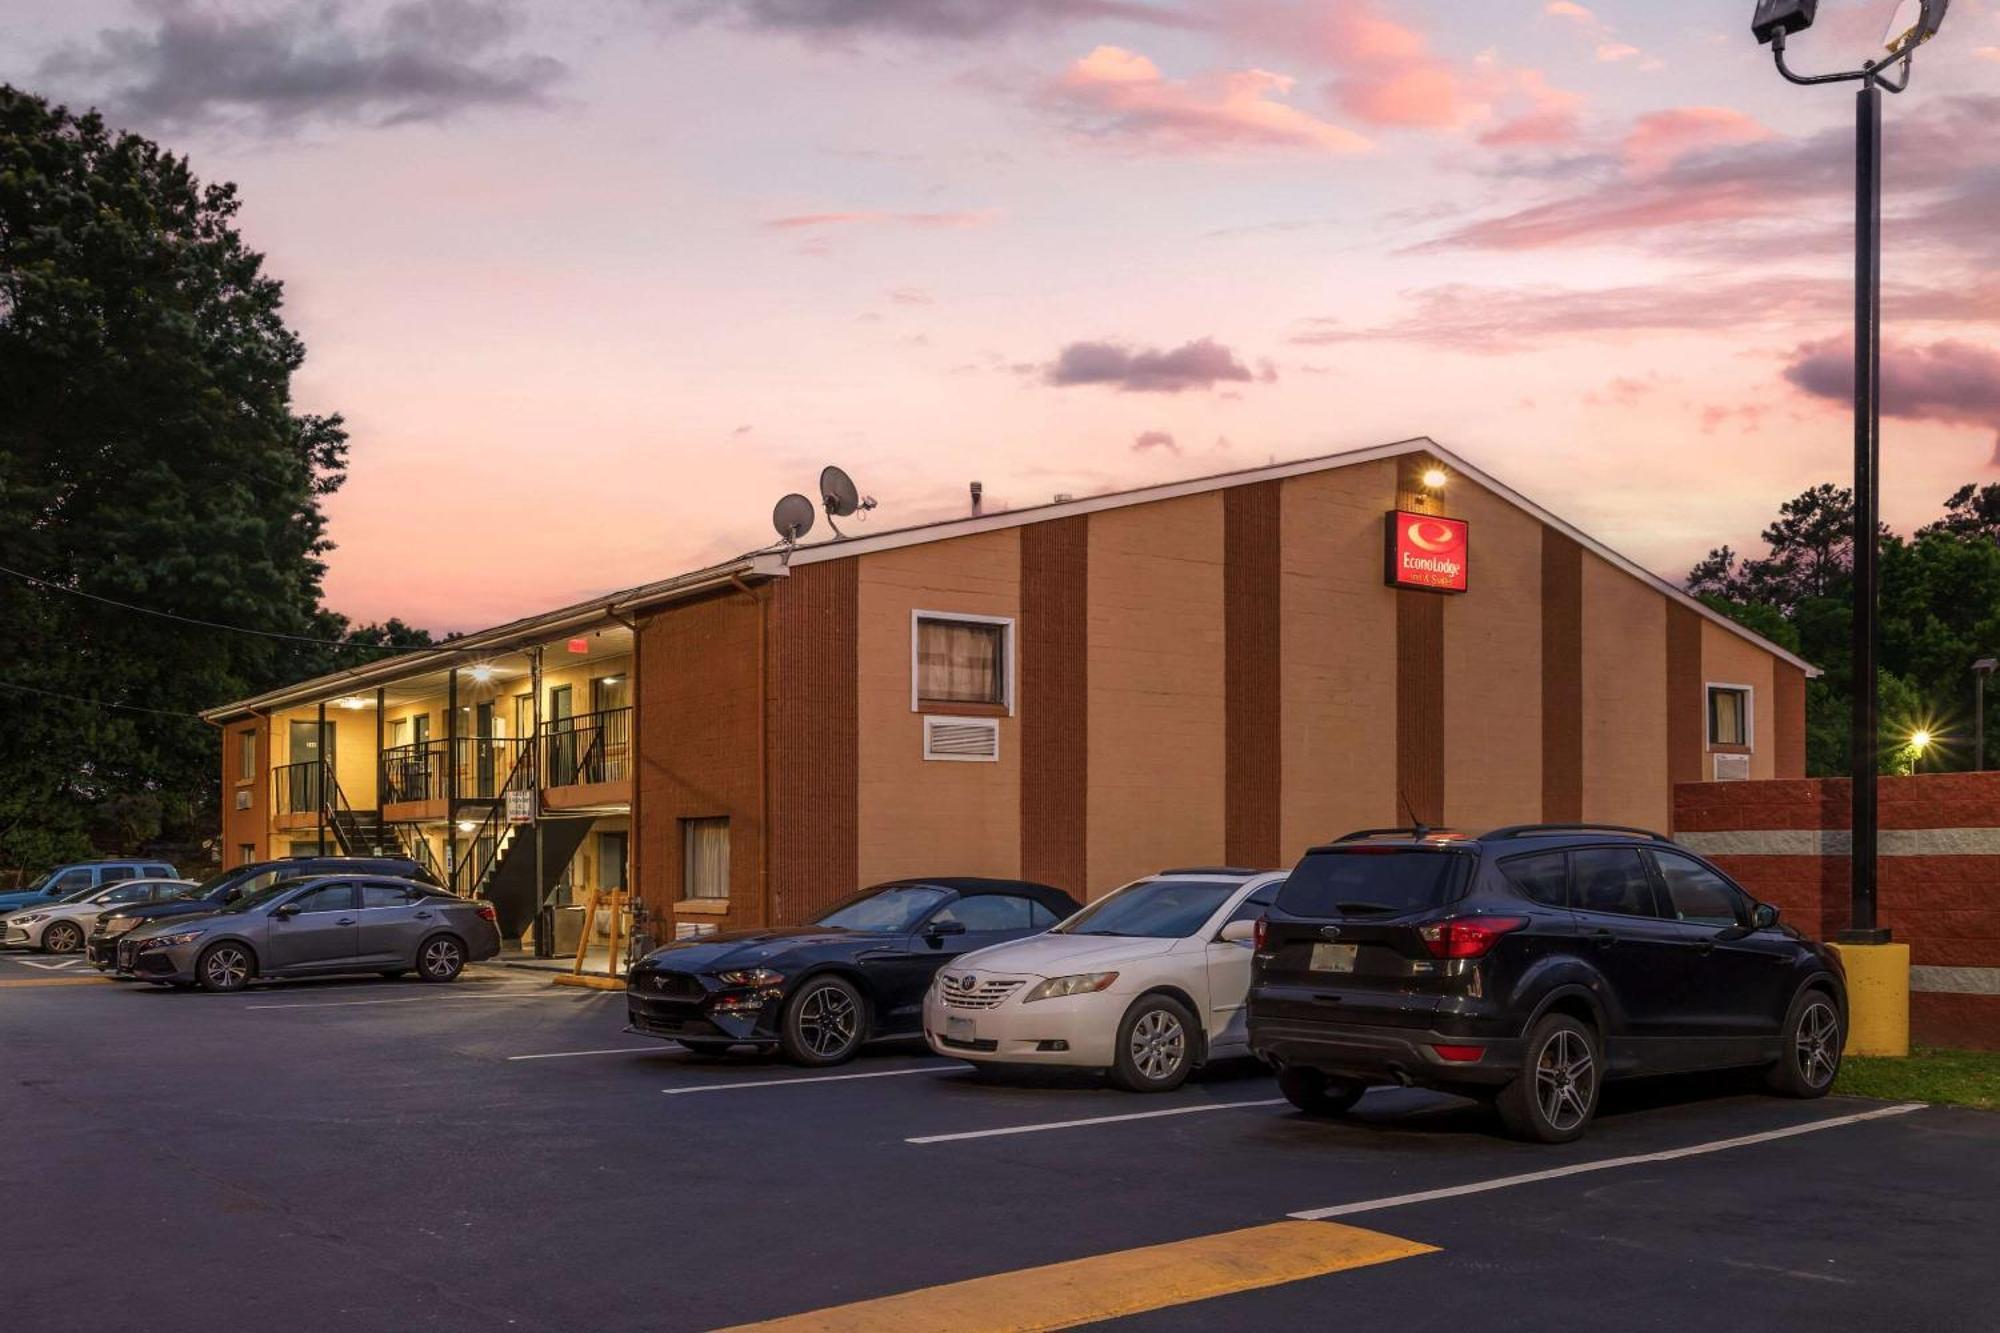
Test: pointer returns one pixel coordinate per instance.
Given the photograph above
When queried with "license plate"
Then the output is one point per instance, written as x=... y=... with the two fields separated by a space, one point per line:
x=1333 y=957
x=960 y=1029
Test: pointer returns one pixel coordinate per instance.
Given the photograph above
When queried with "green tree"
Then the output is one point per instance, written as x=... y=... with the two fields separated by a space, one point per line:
x=1939 y=612
x=150 y=453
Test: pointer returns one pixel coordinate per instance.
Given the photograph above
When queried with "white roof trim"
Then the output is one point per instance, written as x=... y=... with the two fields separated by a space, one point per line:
x=842 y=547
x=772 y=562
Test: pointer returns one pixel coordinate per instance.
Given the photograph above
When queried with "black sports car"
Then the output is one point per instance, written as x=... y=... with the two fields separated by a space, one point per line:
x=817 y=992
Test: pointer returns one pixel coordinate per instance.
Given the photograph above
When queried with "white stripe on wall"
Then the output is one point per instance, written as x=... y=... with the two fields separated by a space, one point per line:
x=1837 y=842
x=1956 y=980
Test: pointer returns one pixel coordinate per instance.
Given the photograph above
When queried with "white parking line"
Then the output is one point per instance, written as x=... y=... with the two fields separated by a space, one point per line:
x=1094 y=1120
x=813 y=1078
x=1637 y=1159
x=615 y=1050
x=413 y=999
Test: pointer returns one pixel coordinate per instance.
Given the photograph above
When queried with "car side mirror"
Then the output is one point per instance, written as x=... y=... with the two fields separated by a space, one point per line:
x=937 y=930
x=1764 y=917
x=1239 y=932
x=285 y=911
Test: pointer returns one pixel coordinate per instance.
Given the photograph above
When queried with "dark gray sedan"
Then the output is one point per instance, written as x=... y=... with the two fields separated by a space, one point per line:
x=316 y=926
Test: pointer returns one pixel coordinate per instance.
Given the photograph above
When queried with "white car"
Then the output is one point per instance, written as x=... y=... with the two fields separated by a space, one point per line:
x=62 y=926
x=1147 y=983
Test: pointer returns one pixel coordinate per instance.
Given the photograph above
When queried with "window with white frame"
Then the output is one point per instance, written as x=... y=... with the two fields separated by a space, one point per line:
x=705 y=858
x=960 y=661
x=1729 y=715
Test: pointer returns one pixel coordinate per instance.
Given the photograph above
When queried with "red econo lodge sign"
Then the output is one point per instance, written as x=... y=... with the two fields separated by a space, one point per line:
x=1425 y=551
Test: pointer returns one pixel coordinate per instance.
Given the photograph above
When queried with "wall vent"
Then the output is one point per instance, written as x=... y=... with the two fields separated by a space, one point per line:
x=243 y=798
x=975 y=739
x=1732 y=768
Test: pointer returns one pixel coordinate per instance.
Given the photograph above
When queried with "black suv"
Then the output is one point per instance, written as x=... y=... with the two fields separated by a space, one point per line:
x=1528 y=965
x=218 y=891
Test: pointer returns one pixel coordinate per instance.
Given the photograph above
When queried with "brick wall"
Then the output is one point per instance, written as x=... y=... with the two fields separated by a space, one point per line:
x=1938 y=877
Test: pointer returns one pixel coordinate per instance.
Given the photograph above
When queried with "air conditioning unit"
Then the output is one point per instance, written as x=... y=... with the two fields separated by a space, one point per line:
x=1732 y=768
x=965 y=739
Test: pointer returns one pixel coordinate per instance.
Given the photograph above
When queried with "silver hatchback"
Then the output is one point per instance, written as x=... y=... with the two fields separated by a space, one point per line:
x=315 y=926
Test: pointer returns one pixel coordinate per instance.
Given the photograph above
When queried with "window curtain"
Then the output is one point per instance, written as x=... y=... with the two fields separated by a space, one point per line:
x=959 y=662
x=705 y=865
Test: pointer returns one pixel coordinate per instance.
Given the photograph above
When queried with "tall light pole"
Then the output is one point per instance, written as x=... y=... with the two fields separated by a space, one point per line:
x=1980 y=671
x=1915 y=22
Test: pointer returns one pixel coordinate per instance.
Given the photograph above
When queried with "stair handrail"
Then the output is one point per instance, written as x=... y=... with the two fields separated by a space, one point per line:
x=490 y=826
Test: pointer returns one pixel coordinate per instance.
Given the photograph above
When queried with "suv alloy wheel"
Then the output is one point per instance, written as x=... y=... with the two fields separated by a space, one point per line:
x=1555 y=1095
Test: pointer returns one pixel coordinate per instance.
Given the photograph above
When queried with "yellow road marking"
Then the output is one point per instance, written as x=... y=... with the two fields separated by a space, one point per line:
x=1107 y=1286
x=58 y=981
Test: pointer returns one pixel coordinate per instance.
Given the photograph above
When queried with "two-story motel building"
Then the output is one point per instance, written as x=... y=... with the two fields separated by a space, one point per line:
x=1219 y=670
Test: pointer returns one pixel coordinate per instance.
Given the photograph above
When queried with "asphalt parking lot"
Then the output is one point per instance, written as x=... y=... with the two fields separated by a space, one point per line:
x=370 y=1155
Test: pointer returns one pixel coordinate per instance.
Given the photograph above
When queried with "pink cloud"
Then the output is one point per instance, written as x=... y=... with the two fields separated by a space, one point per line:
x=1563 y=9
x=1386 y=74
x=1610 y=52
x=1155 y=439
x=960 y=218
x=1115 y=93
x=1660 y=138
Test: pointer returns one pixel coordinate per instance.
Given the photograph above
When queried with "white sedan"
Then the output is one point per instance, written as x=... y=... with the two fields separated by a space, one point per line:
x=61 y=926
x=1147 y=983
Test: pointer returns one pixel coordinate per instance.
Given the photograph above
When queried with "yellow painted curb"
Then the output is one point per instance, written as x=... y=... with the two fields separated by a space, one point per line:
x=1108 y=1286
x=57 y=981
x=591 y=983
x=1878 y=998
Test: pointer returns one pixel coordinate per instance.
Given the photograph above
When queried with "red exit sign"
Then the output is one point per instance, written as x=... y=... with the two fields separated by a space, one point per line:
x=1425 y=551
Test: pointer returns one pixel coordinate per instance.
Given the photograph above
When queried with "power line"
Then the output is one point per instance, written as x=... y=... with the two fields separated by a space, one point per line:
x=96 y=703
x=205 y=624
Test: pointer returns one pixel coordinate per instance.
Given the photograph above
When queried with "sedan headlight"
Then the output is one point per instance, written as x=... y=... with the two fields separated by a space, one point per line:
x=27 y=918
x=751 y=976
x=171 y=941
x=1083 y=983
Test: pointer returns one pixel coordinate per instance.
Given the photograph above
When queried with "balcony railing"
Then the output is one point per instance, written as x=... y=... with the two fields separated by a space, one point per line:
x=415 y=772
x=484 y=763
x=590 y=747
x=299 y=789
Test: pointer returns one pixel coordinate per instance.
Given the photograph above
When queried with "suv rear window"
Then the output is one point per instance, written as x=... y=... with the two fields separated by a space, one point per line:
x=1374 y=881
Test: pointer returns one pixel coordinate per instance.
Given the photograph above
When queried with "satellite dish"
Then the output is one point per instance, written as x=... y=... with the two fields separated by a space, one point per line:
x=838 y=490
x=792 y=517
x=841 y=498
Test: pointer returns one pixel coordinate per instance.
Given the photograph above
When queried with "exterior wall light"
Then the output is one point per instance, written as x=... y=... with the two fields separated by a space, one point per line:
x=353 y=703
x=482 y=673
x=1435 y=478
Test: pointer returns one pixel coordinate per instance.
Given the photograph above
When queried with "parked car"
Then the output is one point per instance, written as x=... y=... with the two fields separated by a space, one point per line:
x=221 y=889
x=818 y=992
x=316 y=926
x=1148 y=983
x=64 y=880
x=1529 y=965
x=60 y=926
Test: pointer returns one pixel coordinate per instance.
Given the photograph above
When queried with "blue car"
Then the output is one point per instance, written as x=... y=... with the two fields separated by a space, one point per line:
x=67 y=879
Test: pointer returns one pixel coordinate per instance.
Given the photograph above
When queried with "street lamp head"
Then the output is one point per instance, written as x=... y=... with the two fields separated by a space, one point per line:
x=1914 y=23
x=1920 y=740
x=1985 y=666
x=1782 y=16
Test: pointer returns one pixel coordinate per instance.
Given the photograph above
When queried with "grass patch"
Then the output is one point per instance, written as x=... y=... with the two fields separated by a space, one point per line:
x=1962 y=1078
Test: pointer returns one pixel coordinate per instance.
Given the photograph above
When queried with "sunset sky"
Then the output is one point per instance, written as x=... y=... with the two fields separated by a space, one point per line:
x=595 y=283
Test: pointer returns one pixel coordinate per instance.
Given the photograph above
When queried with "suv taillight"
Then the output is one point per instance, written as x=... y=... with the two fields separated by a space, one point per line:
x=1467 y=936
x=487 y=913
x=1263 y=931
